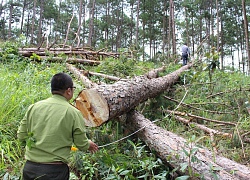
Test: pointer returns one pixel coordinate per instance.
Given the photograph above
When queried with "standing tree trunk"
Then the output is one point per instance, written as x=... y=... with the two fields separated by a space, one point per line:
x=79 y=24
x=173 y=27
x=22 y=19
x=137 y=23
x=164 y=27
x=187 y=40
x=91 y=22
x=246 y=33
x=169 y=29
x=84 y=22
x=108 y=19
x=119 y=26
x=132 y=20
x=1 y=8
x=33 y=23
x=212 y=25
x=39 y=35
x=10 y=20
x=58 y=22
x=2 y=22
x=218 y=31
x=222 y=40
x=193 y=32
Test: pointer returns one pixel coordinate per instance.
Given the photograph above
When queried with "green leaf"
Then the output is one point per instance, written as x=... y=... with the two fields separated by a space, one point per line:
x=186 y=153
x=182 y=178
x=194 y=150
x=184 y=167
x=125 y=172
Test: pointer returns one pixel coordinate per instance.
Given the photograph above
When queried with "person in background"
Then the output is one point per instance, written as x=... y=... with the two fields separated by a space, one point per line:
x=50 y=127
x=185 y=54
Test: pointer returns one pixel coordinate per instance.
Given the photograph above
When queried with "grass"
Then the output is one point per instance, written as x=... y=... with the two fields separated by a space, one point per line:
x=23 y=83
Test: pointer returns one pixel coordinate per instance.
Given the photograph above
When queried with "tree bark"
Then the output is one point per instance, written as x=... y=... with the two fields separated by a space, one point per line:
x=79 y=23
x=91 y=22
x=105 y=102
x=170 y=148
x=246 y=33
x=69 y=23
x=173 y=27
x=40 y=24
x=164 y=27
x=33 y=22
x=10 y=20
x=218 y=31
x=71 y=60
x=137 y=23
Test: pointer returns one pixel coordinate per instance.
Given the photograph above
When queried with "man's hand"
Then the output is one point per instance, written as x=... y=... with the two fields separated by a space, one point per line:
x=92 y=147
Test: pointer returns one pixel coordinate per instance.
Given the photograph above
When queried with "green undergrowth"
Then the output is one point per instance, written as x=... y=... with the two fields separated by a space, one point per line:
x=220 y=96
x=24 y=82
x=222 y=99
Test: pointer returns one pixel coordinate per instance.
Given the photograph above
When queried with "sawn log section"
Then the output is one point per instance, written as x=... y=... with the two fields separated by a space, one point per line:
x=105 y=102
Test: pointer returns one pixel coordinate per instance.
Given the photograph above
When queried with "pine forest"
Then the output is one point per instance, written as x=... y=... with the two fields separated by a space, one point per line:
x=152 y=115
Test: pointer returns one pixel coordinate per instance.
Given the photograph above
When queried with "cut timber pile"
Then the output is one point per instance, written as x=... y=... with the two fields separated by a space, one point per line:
x=69 y=55
x=83 y=53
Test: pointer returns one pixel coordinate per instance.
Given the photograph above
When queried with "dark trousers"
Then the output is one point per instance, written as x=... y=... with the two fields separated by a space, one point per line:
x=40 y=171
x=184 y=59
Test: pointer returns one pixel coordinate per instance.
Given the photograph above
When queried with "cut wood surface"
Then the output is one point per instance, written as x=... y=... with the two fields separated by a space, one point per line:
x=123 y=96
x=170 y=148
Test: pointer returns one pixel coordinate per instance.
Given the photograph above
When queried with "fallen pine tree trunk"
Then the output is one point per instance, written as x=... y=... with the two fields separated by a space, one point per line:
x=70 y=60
x=171 y=149
x=104 y=102
x=80 y=76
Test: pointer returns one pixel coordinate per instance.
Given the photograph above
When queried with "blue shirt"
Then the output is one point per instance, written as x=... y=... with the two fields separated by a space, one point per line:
x=185 y=49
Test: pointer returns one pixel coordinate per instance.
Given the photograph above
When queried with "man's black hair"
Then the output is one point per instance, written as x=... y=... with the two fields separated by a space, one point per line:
x=61 y=82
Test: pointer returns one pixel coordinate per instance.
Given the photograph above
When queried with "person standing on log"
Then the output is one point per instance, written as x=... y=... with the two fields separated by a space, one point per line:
x=50 y=127
x=185 y=54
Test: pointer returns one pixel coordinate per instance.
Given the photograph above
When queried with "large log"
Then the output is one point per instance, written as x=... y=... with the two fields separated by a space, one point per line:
x=170 y=148
x=104 y=102
x=70 y=60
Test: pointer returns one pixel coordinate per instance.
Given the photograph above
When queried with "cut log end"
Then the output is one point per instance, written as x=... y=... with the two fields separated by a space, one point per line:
x=93 y=107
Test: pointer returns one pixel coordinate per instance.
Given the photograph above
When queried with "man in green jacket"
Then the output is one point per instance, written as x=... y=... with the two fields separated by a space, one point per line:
x=50 y=127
